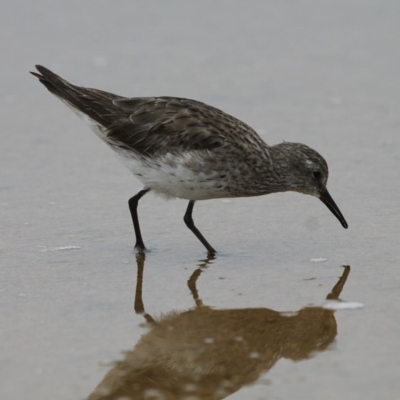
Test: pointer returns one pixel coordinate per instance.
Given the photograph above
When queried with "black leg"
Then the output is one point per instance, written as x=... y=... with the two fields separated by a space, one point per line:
x=133 y=203
x=190 y=224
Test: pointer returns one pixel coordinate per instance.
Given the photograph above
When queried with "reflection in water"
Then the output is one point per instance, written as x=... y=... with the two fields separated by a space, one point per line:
x=208 y=354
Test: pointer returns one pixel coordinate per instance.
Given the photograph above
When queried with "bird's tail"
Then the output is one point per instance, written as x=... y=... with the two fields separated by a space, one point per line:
x=96 y=104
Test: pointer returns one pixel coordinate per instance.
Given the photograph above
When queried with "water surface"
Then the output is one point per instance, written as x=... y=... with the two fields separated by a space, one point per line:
x=321 y=73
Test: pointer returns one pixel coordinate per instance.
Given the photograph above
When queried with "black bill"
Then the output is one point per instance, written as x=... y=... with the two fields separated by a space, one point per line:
x=326 y=198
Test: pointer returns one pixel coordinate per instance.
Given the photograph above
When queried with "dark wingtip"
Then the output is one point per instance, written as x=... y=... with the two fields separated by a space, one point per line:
x=35 y=74
x=43 y=72
x=54 y=83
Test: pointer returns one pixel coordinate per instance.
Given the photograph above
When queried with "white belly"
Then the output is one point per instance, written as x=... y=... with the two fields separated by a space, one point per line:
x=185 y=176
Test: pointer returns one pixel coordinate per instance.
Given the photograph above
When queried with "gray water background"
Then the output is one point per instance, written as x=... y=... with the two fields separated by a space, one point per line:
x=324 y=73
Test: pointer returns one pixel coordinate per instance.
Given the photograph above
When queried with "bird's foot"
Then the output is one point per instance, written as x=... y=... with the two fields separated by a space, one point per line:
x=140 y=249
x=211 y=253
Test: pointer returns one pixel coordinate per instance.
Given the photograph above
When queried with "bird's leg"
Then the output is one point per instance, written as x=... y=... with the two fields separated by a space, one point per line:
x=190 y=224
x=133 y=203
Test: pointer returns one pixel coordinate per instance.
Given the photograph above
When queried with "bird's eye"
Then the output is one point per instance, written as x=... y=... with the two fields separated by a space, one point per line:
x=317 y=175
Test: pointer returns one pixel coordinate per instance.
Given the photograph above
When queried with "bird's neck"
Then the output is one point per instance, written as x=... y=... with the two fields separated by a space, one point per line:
x=280 y=175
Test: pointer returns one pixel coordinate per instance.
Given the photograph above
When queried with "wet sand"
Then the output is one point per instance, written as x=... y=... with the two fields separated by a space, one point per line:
x=322 y=74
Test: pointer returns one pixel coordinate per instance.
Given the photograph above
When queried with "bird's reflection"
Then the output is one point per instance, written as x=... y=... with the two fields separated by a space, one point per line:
x=204 y=353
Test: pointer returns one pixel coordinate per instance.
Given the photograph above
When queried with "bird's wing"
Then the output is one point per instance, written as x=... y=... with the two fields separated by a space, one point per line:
x=148 y=125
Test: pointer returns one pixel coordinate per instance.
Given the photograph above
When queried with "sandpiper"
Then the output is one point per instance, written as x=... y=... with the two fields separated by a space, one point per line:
x=183 y=148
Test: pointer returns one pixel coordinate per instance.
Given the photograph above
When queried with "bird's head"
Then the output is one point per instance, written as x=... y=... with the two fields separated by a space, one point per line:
x=304 y=170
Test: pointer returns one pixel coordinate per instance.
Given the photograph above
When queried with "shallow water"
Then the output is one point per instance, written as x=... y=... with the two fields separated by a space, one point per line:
x=325 y=74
